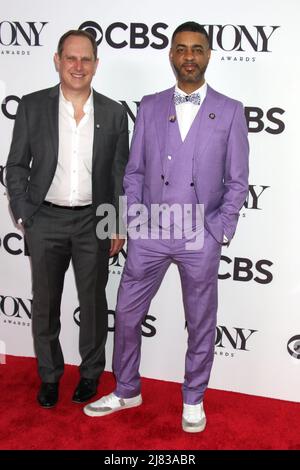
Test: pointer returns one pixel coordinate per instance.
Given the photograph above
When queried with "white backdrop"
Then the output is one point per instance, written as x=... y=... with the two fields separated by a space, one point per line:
x=256 y=60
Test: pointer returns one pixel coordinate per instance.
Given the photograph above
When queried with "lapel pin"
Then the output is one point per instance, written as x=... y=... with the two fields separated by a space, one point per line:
x=172 y=118
x=212 y=116
x=98 y=126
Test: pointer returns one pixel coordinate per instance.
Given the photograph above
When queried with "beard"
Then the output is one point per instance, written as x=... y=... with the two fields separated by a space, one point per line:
x=195 y=76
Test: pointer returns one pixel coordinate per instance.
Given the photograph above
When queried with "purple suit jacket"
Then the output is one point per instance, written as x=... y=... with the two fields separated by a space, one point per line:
x=220 y=160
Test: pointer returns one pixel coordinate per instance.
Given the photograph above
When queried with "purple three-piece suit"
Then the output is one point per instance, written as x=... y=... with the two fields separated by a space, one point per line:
x=209 y=167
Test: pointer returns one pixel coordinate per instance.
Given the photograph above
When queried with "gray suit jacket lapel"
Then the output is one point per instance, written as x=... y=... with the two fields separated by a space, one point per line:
x=53 y=118
x=53 y=109
x=99 y=116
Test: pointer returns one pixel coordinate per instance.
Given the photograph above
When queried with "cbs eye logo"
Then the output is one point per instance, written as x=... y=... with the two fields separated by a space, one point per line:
x=293 y=347
x=94 y=29
x=133 y=35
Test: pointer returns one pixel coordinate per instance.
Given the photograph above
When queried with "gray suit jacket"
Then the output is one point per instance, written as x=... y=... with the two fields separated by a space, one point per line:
x=33 y=154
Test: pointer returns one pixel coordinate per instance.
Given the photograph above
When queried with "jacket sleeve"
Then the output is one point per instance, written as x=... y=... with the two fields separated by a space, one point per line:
x=135 y=170
x=18 y=164
x=119 y=164
x=236 y=172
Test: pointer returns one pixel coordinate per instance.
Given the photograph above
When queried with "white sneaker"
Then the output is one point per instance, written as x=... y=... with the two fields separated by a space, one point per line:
x=111 y=403
x=193 y=418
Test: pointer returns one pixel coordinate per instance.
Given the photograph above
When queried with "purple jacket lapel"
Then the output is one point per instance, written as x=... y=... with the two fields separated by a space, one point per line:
x=208 y=117
x=163 y=107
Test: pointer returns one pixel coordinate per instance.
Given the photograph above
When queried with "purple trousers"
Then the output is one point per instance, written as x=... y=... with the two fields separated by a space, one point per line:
x=146 y=265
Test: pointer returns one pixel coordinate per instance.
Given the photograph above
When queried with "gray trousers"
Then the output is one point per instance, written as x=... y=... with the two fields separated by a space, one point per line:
x=55 y=236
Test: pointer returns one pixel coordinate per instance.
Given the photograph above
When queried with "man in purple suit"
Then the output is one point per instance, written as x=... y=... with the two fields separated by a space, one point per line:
x=189 y=148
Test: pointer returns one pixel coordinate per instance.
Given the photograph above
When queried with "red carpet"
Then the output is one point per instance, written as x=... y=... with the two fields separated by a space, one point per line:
x=235 y=421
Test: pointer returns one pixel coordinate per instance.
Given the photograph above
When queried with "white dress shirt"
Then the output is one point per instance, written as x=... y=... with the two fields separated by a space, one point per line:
x=72 y=182
x=186 y=112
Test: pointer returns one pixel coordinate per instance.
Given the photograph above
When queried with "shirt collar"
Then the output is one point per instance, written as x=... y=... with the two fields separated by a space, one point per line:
x=88 y=105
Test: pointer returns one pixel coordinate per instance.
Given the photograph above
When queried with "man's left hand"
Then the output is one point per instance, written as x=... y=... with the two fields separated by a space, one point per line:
x=116 y=245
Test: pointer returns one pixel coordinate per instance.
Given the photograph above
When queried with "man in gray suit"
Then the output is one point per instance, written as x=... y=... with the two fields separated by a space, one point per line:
x=68 y=155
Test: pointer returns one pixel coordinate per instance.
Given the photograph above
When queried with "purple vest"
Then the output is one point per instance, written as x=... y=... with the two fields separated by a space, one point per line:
x=178 y=187
x=178 y=165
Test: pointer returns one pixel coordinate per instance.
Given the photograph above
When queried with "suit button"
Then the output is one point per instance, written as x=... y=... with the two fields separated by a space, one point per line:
x=162 y=177
x=192 y=184
x=166 y=183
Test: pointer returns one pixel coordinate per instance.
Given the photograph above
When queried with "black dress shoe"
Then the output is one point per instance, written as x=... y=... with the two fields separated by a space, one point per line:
x=85 y=390
x=48 y=394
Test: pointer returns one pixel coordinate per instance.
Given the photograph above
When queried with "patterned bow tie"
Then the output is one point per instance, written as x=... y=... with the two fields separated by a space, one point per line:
x=193 y=98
